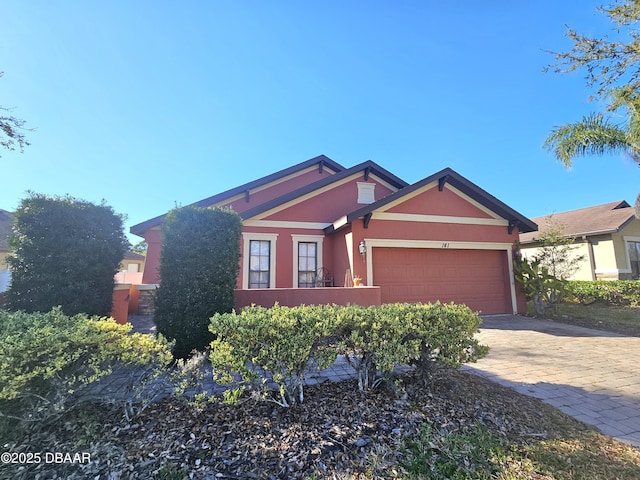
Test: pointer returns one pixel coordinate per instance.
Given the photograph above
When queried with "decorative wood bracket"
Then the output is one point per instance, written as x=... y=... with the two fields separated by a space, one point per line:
x=247 y=195
x=367 y=219
x=441 y=182
x=367 y=171
x=512 y=225
x=320 y=166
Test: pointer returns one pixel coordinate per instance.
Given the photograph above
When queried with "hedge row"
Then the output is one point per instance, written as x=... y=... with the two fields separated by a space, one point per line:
x=616 y=292
x=288 y=342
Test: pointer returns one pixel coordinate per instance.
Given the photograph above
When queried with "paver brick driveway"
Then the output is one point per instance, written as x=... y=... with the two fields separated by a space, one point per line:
x=588 y=374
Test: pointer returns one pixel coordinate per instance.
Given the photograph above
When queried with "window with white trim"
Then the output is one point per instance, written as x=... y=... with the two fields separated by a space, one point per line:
x=307 y=259
x=307 y=264
x=259 y=260
x=259 y=263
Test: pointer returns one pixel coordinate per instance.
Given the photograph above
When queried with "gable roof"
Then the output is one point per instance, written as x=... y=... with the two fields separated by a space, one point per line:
x=368 y=167
x=6 y=220
x=470 y=189
x=600 y=219
x=320 y=160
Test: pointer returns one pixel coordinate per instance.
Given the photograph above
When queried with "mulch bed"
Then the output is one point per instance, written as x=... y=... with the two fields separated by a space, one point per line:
x=337 y=432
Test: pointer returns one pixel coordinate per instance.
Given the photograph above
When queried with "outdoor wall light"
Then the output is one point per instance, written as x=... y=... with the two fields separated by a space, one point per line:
x=362 y=248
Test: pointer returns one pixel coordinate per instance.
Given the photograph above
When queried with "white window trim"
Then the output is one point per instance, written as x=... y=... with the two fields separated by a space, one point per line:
x=247 y=237
x=297 y=238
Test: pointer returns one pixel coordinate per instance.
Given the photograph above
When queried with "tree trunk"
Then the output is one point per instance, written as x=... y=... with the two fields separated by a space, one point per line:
x=539 y=306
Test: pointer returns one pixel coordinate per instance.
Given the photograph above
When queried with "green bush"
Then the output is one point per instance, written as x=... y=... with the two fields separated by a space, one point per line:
x=287 y=342
x=65 y=253
x=198 y=270
x=375 y=339
x=609 y=292
x=281 y=341
x=538 y=284
x=44 y=357
x=446 y=334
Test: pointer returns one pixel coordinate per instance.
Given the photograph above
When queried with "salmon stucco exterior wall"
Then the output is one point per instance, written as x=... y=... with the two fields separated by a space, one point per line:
x=151 y=273
x=360 y=219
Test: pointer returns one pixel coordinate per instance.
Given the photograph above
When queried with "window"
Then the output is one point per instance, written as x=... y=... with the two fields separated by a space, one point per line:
x=307 y=263
x=259 y=263
x=133 y=267
x=259 y=260
x=307 y=259
x=634 y=258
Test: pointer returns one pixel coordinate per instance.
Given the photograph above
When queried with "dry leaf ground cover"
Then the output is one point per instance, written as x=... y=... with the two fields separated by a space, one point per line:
x=410 y=431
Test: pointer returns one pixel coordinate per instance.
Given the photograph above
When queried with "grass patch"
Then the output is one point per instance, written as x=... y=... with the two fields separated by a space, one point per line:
x=613 y=318
x=588 y=456
x=475 y=454
x=480 y=454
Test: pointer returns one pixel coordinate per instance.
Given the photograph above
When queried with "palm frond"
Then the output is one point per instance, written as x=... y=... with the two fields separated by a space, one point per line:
x=594 y=135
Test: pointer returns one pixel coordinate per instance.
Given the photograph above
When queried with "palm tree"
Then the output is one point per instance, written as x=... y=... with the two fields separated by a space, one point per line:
x=597 y=134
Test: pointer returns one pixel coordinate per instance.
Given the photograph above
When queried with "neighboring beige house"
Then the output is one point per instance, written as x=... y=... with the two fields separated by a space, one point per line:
x=132 y=262
x=607 y=236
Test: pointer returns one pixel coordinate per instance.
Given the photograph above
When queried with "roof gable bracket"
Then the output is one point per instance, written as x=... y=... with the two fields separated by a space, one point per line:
x=366 y=173
x=512 y=225
x=367 y=219
x=320 y=166
x=247 y=195
x=441 y=182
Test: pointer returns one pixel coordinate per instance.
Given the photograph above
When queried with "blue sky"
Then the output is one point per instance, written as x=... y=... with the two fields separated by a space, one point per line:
x=153 y=104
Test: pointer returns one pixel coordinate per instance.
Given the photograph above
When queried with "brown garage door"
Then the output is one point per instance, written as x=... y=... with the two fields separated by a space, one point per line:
x=477 y=278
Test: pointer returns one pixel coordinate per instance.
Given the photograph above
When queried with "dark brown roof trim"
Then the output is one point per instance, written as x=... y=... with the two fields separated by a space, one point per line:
x=470 y=189
x=321 y=160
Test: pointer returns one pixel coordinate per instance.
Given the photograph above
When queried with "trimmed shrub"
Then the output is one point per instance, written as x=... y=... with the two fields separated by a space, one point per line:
x=65 y=253
x=281 y=341
x=609 y=292
x=374 y=339
x=198 y=270
x=288 y=343
x=44 y=357
x=446 y=333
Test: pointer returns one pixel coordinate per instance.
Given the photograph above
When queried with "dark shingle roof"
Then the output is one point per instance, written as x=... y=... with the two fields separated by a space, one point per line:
x=322 y=160
x=601 y=219
x=133 y=256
